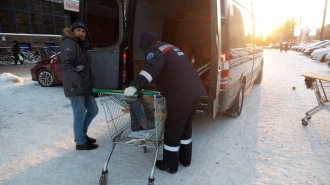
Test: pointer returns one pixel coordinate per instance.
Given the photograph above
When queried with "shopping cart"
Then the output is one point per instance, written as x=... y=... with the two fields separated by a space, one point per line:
x=117 y=113
x=321 y=86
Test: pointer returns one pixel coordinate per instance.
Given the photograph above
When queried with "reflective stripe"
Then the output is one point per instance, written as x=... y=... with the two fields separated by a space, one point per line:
x=186 y=142
x=171 y=149
x=166 y=47
x=146 y=75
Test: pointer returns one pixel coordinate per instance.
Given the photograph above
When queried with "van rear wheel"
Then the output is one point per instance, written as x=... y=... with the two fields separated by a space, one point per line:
x=236 y=109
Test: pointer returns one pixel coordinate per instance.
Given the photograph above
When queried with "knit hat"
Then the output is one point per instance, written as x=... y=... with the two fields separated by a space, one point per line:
x=78 y=24
x=147 y=39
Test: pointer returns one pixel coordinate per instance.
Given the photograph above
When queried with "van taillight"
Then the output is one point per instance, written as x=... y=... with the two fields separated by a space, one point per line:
x=224 y=70
x=124 y=66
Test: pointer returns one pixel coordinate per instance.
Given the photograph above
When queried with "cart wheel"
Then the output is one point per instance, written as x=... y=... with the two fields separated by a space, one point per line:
x=305 y=123
x=151 y=181
x=308 y=118
x=104 y=178
x=145 y=149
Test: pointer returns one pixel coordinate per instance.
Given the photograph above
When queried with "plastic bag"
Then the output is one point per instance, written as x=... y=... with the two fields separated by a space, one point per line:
x=20 y=57
x=142 y=118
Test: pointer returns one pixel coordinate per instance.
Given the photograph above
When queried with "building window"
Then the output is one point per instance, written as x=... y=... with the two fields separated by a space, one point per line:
x=58 y=9
x=48 y=24
x=47 y=7
x=6 y=21
x=34 y=6
x=32 y=17
x=20 y=5
x=6 y=4
x=36 y=23
x=60 y=25
x=22 y=22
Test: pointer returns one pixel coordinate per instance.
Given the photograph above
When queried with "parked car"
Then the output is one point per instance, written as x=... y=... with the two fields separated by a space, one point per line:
x=239 y=52
x=302 y=46
x=291 y=44
x=309 y=50
x=270 y=46
x=327 y=59
x=309 y=44
x=319 y=54
x=276 y=45
x=48 y=72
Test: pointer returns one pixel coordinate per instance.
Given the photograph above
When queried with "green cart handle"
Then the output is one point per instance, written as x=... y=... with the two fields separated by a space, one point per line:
x=148 y=93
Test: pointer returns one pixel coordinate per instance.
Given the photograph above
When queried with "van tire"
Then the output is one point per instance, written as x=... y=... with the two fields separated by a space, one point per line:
x=236 y=109
x=259 y=78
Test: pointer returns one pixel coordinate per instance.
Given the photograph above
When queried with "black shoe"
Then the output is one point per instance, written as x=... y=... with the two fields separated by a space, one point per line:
x=90 y=140
x=86 y=146
x=161 y=166
x=185 y=162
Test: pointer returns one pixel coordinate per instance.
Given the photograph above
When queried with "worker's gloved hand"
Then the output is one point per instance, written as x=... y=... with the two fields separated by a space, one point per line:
x=129 y=91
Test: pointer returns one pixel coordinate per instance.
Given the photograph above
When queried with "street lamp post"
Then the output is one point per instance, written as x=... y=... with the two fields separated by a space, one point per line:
x=324 y=14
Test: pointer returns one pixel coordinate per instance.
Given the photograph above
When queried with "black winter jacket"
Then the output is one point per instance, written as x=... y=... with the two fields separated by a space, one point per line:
x=15 y=49
x=172 y=74
x=76 y=66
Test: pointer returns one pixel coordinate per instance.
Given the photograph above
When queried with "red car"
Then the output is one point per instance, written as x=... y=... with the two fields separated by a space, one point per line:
x=48 y=72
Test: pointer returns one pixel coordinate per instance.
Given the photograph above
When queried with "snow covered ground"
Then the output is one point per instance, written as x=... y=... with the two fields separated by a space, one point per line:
x=267 y=144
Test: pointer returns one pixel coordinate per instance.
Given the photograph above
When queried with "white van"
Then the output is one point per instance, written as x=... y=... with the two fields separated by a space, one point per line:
x=218 y=34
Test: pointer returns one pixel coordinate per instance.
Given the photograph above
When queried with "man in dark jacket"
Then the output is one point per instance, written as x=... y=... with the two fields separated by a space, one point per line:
x=78 y=82
x=179 y=83
x=16 y=49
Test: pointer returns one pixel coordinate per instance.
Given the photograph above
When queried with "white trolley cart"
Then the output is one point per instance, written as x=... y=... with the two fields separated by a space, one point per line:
x=321 y=86
x=117 y=114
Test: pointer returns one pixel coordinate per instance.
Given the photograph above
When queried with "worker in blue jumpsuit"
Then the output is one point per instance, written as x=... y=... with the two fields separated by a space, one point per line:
x=178 y=81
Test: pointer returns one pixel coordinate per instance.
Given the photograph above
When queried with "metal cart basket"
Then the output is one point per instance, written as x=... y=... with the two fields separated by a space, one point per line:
x=117 y=114
x=321 y=86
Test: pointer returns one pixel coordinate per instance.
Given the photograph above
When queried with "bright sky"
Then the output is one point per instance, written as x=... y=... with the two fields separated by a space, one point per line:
x=271 y=13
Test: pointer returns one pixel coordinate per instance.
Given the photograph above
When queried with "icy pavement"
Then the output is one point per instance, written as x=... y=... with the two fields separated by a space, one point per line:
x=267 y=144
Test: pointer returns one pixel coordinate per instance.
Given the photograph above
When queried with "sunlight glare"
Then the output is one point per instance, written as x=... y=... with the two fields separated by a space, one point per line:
x=269 y=14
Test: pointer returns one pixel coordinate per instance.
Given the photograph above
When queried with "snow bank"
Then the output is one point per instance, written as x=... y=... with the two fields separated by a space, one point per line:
x=8 y=77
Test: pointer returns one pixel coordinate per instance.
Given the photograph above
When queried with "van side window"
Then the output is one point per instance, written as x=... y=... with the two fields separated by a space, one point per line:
x=102 y=22
x=241 y=28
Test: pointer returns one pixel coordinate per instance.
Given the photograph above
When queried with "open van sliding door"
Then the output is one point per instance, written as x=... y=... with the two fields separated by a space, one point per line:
x=105 y=22
x=215 y=69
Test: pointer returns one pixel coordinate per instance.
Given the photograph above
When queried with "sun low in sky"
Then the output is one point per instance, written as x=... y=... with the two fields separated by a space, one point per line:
x=271 y=13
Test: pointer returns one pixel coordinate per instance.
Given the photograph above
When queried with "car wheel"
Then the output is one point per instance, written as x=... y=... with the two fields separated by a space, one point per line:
x=323 y=58
x=45 y=78
x=236 y=109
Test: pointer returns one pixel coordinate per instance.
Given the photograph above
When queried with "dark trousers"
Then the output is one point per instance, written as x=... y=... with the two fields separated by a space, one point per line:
x=17 y=59
x=178 y=135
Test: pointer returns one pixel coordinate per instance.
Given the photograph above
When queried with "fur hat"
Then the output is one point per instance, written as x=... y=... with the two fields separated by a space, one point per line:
x=78 y=24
